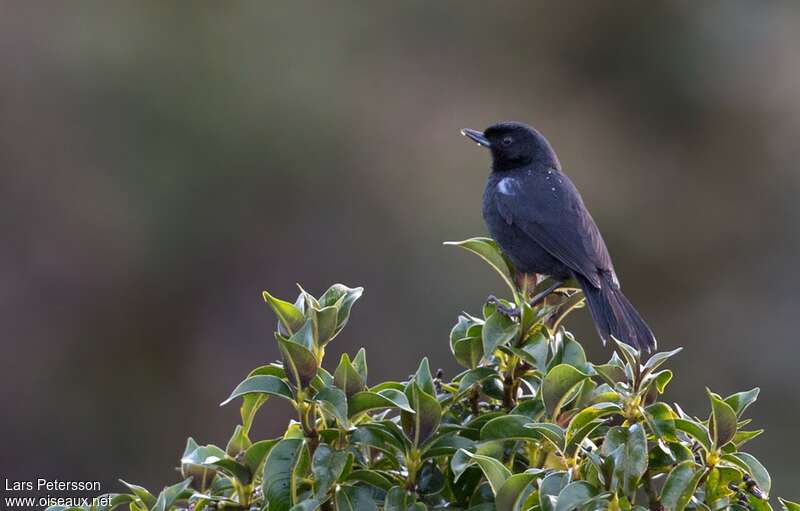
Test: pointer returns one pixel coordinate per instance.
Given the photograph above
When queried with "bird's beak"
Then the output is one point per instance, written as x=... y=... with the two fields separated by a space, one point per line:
x=477 y=136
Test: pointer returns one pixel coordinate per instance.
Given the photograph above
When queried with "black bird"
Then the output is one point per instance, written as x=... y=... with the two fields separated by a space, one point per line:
x=538 y=218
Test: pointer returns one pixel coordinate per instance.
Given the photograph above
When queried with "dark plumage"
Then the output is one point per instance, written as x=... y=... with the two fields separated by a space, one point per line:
x=538 y=218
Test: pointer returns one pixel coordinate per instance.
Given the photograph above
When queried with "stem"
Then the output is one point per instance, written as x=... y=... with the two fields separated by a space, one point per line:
x=413 y=466
x=474 y=395
x=304 y=410
x=510 y=384
x=652 y=495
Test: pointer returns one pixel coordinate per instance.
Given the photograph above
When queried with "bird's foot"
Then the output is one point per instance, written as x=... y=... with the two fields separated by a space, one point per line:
x=539 y=298
x=511 y=312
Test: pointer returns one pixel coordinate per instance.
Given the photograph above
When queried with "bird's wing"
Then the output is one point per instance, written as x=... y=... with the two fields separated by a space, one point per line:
x=549 y=209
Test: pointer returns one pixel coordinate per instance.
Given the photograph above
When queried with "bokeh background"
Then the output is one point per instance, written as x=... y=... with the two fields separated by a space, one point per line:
x=161 y=163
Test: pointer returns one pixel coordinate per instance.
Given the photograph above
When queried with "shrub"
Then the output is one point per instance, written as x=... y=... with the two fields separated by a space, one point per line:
x=529 y=424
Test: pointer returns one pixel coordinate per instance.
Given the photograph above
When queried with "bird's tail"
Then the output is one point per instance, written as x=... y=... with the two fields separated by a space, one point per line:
x=614 y=315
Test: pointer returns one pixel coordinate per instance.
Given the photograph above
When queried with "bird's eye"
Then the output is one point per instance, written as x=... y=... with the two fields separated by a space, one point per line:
x=507 y=141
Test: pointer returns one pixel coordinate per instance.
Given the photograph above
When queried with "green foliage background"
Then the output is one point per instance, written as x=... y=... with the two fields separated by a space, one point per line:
x=530 y=424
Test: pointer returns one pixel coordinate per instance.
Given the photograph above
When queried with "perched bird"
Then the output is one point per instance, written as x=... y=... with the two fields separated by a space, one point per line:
x=538 y=218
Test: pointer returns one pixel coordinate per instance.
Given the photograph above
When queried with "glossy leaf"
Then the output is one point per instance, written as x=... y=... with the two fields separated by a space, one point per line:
x=257 y=453
x=368 y=400
x=327 y=466
x=575 y=495
x=788 y=505
x=509 y=427
x=741 y=400
x=680 y=485
x=347 y=378
x=722 y=424
x=494 y=471
x=487 y=249
x=334 y=403
x=420 y=425
x=269 y=385
x=753 y=467
x=354 y=498
x=397 y=499
x=169 y=495
x=424 y=378
x=498 y=330
x=289 y=316
x=514 y=491
x=559 y=386
x=696 y=431
x=278 y=480
x=299 y=361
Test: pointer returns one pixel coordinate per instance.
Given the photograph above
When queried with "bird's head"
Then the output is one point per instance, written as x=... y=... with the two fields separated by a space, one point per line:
x=514 y=145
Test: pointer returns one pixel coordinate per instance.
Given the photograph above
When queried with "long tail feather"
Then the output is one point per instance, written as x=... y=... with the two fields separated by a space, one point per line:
x=614 y=315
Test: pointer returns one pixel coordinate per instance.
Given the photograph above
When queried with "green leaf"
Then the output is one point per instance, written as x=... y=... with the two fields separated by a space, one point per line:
x=334 y=403
x=326 y=322
x=559 y=386
x=288 y=315
x=468 y=351
x=169 y=495
x=494 y=471
x=269 y=385
x=586 y=421
x=627 y=447
x=473 y=376
x=237 y=443
x=722 y=423
x=420 y=425
x=202 y=454
x=354 y=498
x=347 y=378
x=305 y=336
x=680 y=485
x=371 y=478
x=741 y=400
x=752 y=466
x=424 y=379
x=514 y=491
x=397 y=499
x=575 y=495
x=256 y=453
x=549 y=489
x=360 y=363
x=278 y=484
x=550 y=432
x=307 y=505
x=659 y=358
x=487 y=249
x=343 y=298
x=509 y=427
x=661 y=419
x=498 y=330
x=447 y=445
x=788 y=505
x=742 y=437
x=387 y=398
x=141 y=493
x=630 y=354
x=201 y=475
x=327 y=466
x=301 y=363
x=611 y=373
x=696 y=431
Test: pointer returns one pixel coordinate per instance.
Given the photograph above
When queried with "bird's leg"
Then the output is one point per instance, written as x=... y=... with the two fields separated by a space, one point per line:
x=511 y=312
x=536 y=300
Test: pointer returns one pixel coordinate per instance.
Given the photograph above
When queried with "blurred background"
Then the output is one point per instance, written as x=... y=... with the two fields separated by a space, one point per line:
x=161 y=165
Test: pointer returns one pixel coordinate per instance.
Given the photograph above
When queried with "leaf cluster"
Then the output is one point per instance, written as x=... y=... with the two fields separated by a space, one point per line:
x=528 y=425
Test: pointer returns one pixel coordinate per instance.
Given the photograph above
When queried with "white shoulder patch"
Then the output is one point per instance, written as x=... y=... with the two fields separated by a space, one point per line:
x=508 y=186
